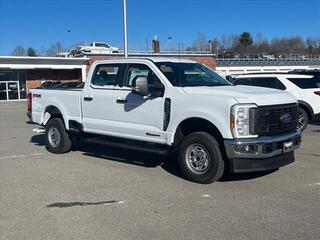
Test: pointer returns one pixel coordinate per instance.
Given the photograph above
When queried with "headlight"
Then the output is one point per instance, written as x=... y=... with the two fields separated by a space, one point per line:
x=240 y=120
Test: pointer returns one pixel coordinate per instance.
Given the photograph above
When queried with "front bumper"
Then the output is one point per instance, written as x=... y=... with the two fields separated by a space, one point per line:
x=262 y=153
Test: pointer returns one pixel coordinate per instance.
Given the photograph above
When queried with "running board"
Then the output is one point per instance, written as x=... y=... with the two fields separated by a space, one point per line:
x=127 y=146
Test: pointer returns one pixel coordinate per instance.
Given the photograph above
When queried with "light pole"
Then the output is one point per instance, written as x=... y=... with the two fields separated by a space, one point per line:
x=210 y=46
x=125 y=28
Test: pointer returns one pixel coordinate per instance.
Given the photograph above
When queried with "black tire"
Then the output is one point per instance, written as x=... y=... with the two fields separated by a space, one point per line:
x=54 y=144
x=303 y=119
x=203 y=144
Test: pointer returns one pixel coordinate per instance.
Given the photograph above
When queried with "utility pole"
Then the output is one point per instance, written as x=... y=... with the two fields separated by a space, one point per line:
x=125 y=28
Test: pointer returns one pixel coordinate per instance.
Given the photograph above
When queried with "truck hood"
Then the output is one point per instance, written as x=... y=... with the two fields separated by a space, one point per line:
x=246 y=94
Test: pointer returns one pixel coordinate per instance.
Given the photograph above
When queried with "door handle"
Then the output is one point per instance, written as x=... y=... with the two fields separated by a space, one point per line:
x=87 y=98
x=121 y=100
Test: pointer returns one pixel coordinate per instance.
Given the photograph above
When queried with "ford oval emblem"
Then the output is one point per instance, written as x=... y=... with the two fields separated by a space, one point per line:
x=286 y=118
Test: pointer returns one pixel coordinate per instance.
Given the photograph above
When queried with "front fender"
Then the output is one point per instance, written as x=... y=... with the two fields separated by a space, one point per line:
x=220 y=121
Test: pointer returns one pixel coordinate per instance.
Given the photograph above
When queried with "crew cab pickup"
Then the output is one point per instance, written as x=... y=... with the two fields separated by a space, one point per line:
x=173 y=106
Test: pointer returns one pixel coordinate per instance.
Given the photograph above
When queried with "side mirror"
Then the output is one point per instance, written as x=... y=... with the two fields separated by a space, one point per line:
x=141 y=86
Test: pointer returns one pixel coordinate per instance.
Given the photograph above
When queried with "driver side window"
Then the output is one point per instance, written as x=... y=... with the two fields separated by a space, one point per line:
x=141 y=70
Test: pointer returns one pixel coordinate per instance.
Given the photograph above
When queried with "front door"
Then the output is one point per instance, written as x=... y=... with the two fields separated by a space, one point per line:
x=13 y=90
x=99 y=99
x=9 y=90
x=139 y=117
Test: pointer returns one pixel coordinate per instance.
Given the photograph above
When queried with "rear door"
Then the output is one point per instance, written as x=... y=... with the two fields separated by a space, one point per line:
x=99 y=99
x=140 y=117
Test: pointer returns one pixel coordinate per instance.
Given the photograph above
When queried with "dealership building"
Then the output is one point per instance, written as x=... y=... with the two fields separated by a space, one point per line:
x=19 y=74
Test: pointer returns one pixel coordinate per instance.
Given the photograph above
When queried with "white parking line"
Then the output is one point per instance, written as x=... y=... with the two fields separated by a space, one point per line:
x=23 y=155
x=118 y=202
x=314 y=184
x=205 y=195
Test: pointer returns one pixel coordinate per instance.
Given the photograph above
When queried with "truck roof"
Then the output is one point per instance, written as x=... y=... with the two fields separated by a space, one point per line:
x=168 y=59
x=153 y=59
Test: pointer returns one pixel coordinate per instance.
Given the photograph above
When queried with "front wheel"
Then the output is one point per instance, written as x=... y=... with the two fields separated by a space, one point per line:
x=200 y=158
x=303 y=119
x=56 y=138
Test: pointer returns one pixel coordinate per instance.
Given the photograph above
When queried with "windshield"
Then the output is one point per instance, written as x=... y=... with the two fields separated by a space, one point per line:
x=190 y=74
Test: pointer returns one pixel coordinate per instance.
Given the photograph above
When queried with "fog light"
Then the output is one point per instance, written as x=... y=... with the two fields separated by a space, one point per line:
x=247 y=149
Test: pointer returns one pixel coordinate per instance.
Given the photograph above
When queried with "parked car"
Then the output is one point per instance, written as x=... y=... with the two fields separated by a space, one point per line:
x=97 y=47
x=266 y=56
x=177 y=106
x=68 y=53
x=304 y=87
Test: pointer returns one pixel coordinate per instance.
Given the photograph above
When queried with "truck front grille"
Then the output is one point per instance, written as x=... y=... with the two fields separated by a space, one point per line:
x=274 y=119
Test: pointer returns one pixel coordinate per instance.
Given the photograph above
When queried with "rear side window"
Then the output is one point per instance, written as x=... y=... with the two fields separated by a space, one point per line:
x=106 y=75
x=305 y=83
x=242 y=81
x=268 y=82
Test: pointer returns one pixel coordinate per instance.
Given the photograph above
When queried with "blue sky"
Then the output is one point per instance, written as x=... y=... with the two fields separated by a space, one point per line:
x=39 y=23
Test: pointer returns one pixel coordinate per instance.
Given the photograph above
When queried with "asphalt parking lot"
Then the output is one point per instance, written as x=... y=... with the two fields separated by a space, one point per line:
x=103 y=193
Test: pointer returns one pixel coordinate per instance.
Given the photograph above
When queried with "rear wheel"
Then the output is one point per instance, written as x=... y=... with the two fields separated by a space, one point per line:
x=56 y=138
x=200 y=158
x=303 y=119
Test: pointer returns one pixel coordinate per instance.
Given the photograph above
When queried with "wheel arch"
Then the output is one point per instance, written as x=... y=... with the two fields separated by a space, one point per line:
x=50 y=112
x=306 y=106
x=194 y=124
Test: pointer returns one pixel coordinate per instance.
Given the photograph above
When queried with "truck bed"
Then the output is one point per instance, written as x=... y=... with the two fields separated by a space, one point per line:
x=66 y=100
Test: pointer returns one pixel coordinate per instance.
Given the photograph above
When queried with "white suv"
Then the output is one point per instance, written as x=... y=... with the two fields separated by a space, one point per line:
x=304 y=87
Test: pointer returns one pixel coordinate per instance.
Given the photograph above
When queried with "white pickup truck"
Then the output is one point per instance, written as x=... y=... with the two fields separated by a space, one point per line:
x=173 y=105
x=97 y=48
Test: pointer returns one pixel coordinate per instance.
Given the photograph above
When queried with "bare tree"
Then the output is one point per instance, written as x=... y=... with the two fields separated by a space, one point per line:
x=313 y=45
x=244 y=43
x=229 y=42
x=19 y=51
x=213 y=44
x=258 y=39
x=54 y=49
x=260 y=44
x=201 y=43
x=31 y=52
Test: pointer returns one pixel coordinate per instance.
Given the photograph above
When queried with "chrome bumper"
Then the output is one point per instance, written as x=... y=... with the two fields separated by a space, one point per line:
x=262 y=147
